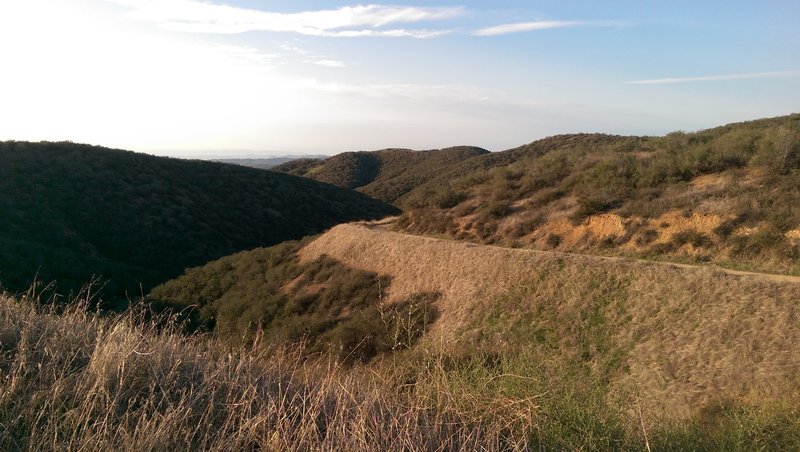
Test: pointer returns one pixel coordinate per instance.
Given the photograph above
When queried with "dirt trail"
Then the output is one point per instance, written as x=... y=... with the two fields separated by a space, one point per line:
x=764 y=276
x=386 y=224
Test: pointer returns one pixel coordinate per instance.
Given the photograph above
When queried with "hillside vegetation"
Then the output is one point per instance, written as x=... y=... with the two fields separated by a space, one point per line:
x=387 y=174
x=70 y=211
x=729 y=195
x=320 y=304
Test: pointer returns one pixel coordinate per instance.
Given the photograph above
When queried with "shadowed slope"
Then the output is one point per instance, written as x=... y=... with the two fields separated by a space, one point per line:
x=71 y=211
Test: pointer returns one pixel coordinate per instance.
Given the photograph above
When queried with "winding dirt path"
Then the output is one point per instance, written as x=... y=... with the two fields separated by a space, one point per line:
x=387 y=223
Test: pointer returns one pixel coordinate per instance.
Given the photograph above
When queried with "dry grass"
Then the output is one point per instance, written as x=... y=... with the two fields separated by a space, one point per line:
x=685 y=337
x=73 y=381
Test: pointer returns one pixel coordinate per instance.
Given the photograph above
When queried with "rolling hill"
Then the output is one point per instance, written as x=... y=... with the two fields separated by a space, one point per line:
x=624 y=325
x=728 y=195
x=387 y=174
x=370 y=333
x=70 y=211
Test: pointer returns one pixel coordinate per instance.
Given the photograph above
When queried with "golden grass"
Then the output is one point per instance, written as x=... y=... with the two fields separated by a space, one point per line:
x=687 y=336
x=73 y=381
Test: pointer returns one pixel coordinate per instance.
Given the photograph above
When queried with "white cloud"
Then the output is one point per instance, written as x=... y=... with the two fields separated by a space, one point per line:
x=349 y=21
x=711 y=78
x=519 y=27
x=329 y=63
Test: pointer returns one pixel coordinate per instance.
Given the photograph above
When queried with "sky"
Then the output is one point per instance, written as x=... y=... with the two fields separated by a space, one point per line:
x=257 y=78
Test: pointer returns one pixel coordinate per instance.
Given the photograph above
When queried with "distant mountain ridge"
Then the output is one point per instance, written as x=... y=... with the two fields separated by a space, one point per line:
x=70 y=211
x=268 y=162
x=387 y=174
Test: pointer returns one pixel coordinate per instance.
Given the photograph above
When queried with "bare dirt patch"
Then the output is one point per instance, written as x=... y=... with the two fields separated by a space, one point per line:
x=592 y=230
x=672 y=223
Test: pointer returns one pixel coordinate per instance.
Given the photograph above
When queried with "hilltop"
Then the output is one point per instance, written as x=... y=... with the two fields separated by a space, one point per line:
x=727 y=195
x=70 y=211
x=387 y=174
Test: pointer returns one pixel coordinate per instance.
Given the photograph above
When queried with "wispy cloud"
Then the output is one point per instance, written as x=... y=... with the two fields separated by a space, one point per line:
x=349 y=21
x=329 y=63
x=712 y=78
x=519 y=27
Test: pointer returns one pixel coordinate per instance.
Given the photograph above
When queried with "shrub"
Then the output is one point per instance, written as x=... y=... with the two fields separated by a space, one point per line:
x=527 y=225
x=590 y=205
x=646 y=237
x=696 y=238
x=498 y=209
x=449 y=199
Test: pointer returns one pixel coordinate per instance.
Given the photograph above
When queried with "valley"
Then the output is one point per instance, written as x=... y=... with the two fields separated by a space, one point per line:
x=582 y=291
x=240 y=225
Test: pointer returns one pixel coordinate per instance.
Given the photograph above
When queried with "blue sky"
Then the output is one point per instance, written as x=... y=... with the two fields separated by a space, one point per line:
x=250 y=77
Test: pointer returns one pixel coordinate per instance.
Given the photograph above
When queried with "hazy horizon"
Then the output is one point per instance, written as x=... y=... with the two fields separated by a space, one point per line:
x=257 y=79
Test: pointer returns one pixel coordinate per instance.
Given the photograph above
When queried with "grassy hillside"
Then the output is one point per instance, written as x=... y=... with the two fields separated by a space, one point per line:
x=386 y=174
x=623 y=325
x=72 y=381
x=728 y=195
x=321 y=304
x=530 y=351
x=70 y=211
